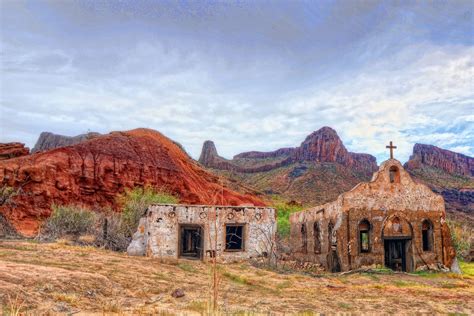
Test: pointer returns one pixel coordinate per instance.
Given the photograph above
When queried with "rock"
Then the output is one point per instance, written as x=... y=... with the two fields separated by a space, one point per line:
x=177 y=293
x=449 y=161
x=313 y=173
x=455 y=267
x=447 y=173
x=13 y=150
x=95 y=172
x=323 y=145
x=137 y=246
x=48 y=141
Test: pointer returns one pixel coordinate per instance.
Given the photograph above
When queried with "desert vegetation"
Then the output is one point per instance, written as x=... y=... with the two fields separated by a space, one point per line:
x=283 y=210
x=102 y=227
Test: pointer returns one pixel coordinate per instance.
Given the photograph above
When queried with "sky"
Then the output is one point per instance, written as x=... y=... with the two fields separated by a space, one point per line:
x=249 y=75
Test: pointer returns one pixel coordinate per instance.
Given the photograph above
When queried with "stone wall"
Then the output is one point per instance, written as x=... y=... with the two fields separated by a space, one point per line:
x=378 y=202
x=158 y=234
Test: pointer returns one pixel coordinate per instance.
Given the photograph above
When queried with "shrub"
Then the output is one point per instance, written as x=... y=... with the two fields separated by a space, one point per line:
x=283 y=217
x=135 y=203
x=6 y=194
x=68 y=220
x=460 y=236
x=111 y=230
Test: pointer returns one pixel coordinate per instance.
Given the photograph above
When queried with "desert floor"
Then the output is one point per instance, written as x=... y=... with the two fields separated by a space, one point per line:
x=52 y=278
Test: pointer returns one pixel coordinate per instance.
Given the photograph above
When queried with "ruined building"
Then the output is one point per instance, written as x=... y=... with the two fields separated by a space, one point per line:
x=230 y=233
x=389 y=221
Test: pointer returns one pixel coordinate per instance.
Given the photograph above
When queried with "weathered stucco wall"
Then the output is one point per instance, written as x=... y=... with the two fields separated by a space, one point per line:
x=379 y=202
x=158 y=234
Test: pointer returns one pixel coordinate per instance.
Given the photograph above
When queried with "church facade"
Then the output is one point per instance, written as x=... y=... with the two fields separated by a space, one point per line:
x=390 y=221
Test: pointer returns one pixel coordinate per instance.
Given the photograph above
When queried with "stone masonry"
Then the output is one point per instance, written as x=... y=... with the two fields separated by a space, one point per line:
x=389 y=221
x=197 y=232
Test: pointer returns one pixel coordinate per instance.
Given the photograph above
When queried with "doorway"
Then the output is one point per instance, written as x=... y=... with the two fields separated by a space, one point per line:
x=396 y=254
x=190 y=241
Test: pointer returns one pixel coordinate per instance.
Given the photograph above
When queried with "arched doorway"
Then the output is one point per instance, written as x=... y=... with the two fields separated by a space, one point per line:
x=397 y=237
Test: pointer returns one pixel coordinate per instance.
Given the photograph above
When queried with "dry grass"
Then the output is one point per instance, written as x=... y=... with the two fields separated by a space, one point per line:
x=61 y=278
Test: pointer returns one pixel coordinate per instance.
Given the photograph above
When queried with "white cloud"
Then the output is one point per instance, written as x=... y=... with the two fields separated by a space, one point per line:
x=244 y=91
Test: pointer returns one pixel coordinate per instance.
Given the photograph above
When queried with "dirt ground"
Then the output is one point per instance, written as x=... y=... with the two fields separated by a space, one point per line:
x=59 y=278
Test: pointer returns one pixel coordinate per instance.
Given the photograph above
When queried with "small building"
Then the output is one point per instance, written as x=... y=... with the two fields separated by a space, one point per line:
x=389 y=221
x=231 y=233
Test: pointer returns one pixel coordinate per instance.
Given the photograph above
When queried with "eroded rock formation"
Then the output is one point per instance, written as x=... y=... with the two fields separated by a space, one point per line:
x=96 y=171
x=315 y=172
x=446 y=172
x=449 y=161
x=323 y=145
x=48 y=141
x=12 y=150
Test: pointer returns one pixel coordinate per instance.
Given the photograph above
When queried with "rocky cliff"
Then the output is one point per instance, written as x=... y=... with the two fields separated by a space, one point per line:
x=12 y=150
x=446 y=172
x=48 y=141
x=94 y=172
x=323 y=145
x=449 y=161
x=314 y=172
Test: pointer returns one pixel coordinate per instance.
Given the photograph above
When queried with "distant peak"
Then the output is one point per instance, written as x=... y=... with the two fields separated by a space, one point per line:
x=208 y=152
x=325 y=132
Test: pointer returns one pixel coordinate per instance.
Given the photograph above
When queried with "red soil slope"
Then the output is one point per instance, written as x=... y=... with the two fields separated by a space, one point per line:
x=94 y=172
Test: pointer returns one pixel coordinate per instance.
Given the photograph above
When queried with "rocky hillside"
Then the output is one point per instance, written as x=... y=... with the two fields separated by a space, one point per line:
x=448 y=173
x=12 y=150
x=95 y=171
x=48 y=141
x=315 y=172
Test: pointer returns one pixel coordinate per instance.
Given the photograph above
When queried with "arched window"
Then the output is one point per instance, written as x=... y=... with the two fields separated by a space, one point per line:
x=304 y=238
x=317 y=238
x=330 y=229
x=427 y=235
x=364 y=236
x=394 y=174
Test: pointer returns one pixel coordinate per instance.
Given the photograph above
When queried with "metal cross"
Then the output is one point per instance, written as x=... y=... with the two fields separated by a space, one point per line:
x=391 y=147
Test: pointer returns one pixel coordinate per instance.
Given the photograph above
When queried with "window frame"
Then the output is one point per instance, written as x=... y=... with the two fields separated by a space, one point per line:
x=243 y=225
x=364 y=231
x=429 y=236
x=317 y=237
x=395 y=171
x=304 y=238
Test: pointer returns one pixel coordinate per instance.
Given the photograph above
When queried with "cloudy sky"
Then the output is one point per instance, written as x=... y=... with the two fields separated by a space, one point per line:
x=255 y=75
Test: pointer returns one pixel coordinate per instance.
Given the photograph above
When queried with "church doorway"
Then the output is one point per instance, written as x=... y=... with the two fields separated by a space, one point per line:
x=396 y=254
x=190 y=241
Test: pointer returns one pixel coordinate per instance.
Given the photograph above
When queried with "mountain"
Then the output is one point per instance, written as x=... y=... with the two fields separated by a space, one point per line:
x=446 y=172
x=48 y=141
x=95 y=171
x=315 y=172
x=12 y=150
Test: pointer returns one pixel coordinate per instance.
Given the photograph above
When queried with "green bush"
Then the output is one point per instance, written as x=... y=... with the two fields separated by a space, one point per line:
x=283 y=217
x=135 y=203
x=460 y=236
x=7 y=193
x=68 y=220
x=111 y=230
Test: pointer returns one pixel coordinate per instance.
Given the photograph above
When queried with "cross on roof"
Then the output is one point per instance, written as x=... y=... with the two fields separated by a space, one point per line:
x=391 y=147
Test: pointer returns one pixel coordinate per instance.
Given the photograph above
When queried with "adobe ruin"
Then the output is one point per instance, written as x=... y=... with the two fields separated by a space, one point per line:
x=389 y=221
x=231 y=233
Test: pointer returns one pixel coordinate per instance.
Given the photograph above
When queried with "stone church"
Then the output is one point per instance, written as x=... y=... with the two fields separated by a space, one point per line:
x=390 y=221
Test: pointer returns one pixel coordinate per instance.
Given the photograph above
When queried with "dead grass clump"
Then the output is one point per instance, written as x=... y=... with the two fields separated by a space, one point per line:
x=238 y=279
x=67 y=220
x=15 y=305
